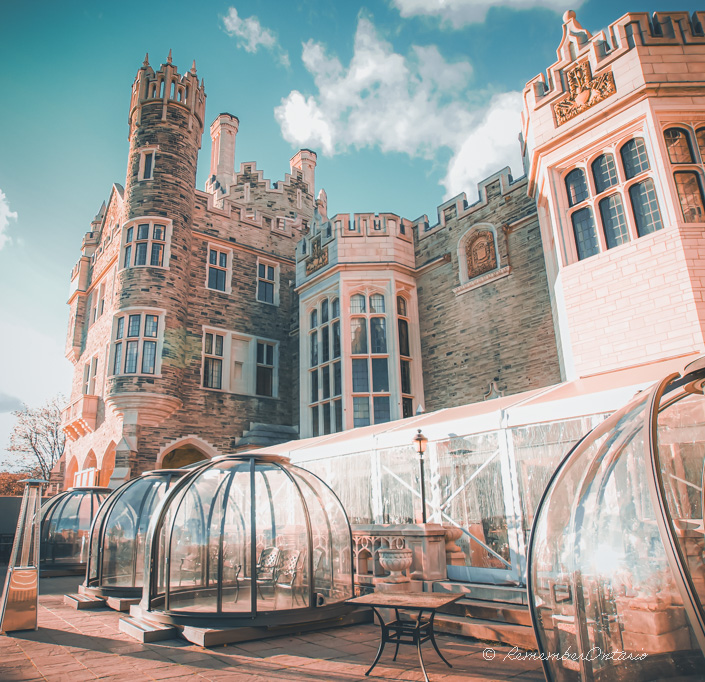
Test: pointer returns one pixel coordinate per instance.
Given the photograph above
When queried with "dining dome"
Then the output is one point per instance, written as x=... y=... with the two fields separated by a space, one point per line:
x=117 y=542
x=248 y=540
x=65 y=528
x=616 y=570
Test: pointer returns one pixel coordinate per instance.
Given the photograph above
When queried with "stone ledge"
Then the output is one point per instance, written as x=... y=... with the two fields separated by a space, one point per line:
x=482 y=280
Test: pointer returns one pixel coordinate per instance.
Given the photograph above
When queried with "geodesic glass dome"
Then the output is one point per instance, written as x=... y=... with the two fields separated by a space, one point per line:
x=65 y=527
x=249 y=540
x=616 y=560
x=119 y=532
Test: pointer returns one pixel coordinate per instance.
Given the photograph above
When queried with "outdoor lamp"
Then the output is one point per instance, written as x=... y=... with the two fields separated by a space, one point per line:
x=420 y=442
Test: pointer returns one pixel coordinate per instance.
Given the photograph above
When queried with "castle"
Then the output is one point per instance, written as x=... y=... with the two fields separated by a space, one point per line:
x=207 y=321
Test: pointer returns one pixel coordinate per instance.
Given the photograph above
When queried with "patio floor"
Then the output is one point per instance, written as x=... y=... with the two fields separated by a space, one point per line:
x=76 y=645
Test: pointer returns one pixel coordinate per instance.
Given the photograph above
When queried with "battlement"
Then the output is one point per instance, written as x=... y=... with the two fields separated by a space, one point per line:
x=499 y=184
x=595 y=76
x=169 y=87
x=632 y=31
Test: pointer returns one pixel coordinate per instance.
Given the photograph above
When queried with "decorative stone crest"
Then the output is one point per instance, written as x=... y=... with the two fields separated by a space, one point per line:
x=481 y=254
x=319 y=256
x=585 y=92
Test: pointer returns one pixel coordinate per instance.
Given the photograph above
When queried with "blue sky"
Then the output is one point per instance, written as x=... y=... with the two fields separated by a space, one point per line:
x=407 y=102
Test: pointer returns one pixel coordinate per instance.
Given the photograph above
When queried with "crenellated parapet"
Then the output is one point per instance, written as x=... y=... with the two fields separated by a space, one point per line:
x=168 y=87
x=369 y=239
x=593 y=74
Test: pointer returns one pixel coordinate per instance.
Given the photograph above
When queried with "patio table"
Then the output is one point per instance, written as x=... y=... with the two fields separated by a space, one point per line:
x=406 y=631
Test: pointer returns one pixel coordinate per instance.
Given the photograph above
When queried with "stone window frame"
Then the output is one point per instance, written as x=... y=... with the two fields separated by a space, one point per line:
x=369 y=355
x=249 y=369
x=403 y=317
x=694 y=133
x=90 y=373
x=119 y=341
x=595 y=200
x=319 y=365
x=128 y=251
x=228 y=269
x=268 y=262
x=143 y=167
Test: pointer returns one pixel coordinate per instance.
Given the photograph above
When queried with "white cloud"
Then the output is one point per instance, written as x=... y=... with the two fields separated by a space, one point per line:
x=251 y=35
x=5 y=216
x=489 y=146
x=418 y=104
x=457 y=13
x=9 y=403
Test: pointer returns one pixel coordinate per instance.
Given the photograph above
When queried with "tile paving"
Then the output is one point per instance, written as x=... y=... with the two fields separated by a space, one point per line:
x=88 y=645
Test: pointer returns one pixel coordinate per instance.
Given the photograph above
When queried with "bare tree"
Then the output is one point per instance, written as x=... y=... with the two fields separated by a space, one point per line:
x=37 y=438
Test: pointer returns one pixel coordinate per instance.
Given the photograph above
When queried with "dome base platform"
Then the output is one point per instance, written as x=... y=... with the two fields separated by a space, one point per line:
x=139 y=626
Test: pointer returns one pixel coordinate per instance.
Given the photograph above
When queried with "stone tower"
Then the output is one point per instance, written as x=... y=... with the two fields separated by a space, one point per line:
x=148 y=342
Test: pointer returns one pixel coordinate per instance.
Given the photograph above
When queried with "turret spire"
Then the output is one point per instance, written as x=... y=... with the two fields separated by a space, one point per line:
x=168 y=59
x=193 y=67
x=145 y=63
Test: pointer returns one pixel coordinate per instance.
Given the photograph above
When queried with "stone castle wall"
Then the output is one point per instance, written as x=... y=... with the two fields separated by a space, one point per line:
x=496 y=326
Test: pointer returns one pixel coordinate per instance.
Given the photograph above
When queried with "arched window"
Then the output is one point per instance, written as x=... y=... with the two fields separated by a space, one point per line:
x=690 y=195
x=325 y=376
x=407 y=400
x=634 y=157
x=645 y=207
x=376 y=303
x=370 y=362
x=678 y=145
x=585 y=235
x=314 y=318
x=604 y=172
x=357 y=303
x=700 y=137
x=614 y=222
x=576 y=187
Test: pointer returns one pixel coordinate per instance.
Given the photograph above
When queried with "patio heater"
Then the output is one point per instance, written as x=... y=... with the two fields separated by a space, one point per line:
x=420 y=442
x=18 y=609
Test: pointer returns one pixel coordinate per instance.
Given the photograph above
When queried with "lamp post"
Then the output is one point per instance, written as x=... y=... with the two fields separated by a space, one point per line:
x=420 y=442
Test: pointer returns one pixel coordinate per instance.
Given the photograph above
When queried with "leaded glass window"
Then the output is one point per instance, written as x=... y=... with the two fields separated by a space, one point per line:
x=645 y=207
x=576 y=187
x=585 y=235
x=614 y=222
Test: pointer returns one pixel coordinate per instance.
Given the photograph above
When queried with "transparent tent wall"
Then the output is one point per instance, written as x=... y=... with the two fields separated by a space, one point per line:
x=488 y=484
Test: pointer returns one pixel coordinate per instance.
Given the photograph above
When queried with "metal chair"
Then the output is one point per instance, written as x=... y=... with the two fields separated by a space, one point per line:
x=266 y=569
x=286 y=573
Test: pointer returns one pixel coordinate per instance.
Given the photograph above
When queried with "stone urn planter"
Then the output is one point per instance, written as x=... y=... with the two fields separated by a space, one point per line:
x=454 y=554
x=395 y=561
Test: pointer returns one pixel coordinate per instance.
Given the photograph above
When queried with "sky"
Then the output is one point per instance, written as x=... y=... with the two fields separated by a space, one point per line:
x=406 y=102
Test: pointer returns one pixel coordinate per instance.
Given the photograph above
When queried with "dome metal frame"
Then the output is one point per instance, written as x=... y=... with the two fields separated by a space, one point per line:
x=94 y=580
x=667 y=392
x=155 y=603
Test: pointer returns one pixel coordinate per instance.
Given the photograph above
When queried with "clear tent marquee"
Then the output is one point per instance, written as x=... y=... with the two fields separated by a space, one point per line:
x=616 y=560
x=247 y=540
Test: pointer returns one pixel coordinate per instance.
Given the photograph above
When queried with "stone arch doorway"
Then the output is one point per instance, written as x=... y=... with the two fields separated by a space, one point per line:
x=185 y=451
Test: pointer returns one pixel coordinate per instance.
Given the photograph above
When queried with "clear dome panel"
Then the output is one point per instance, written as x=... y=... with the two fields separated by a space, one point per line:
x=282 y=540
x=605 y=602
x=125 y=530
x=681 y=459
x=196 y=539
x=66 y=523
x=332 y=566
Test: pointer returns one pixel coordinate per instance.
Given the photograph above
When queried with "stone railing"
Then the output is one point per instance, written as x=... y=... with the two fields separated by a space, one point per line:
x=427 y=543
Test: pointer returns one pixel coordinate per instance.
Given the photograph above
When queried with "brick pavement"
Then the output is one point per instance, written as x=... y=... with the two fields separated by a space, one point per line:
x=86 y=645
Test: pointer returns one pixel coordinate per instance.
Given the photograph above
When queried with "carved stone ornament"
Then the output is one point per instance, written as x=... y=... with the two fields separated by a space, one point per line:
x=319 y=256
x=481 y=254
x=585 y=92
